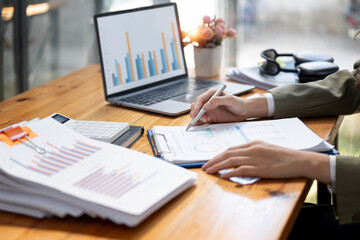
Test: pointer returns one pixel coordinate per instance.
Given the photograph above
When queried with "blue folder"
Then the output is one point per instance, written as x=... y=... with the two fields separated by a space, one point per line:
x=332 y=152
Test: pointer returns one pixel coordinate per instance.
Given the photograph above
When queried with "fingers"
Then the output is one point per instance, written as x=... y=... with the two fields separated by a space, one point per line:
x=231 y=162
x=240 y=150
x=203 y=120
x=241 y=158
x=200 y=101
x=244 y=171
x=225 y=100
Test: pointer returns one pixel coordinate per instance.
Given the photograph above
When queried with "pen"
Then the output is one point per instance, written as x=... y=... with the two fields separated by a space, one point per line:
x=203 y=110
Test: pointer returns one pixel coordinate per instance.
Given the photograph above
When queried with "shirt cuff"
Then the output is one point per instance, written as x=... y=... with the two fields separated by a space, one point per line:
x=332 y=159
x=270 y=103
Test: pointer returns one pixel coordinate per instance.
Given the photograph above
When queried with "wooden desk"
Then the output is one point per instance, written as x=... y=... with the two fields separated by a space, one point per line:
x=213 y=209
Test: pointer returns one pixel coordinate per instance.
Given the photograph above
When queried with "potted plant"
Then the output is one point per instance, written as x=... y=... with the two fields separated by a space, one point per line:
x=207 y=39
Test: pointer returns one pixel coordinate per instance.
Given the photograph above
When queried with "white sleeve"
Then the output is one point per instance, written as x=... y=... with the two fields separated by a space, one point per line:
x=332 y=159
x=270 y=103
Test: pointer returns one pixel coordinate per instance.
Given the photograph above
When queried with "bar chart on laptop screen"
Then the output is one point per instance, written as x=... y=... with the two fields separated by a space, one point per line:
x=140 y=47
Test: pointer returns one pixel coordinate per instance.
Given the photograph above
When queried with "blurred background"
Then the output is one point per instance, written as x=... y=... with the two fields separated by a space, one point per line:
x=43 y=40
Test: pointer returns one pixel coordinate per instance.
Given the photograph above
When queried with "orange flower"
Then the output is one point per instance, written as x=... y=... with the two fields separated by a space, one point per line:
x=209 y=34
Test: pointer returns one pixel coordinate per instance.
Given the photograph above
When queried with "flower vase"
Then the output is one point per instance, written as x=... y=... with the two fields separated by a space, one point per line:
x=208 y=61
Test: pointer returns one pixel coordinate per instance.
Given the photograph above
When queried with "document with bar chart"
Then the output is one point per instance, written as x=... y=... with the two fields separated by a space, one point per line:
x=133 y=53
x=106 y=180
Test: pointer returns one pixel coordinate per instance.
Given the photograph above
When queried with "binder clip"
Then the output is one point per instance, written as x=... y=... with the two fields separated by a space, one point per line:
x=156 y=144
x=16 y=133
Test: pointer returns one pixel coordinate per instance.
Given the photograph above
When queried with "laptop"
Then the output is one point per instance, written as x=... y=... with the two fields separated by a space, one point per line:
x=143 y=64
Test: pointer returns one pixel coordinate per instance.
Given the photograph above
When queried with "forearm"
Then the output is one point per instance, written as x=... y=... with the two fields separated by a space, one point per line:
x=256 y=107
x=313 y=165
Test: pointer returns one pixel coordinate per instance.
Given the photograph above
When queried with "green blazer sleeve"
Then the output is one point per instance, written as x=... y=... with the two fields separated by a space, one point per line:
x=335 y=95
x=348 y=189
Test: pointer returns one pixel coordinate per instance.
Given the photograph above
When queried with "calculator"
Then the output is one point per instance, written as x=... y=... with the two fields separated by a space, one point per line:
x=98 y=130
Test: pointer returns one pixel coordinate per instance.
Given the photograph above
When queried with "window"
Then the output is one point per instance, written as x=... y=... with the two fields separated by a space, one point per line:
x=61 y=38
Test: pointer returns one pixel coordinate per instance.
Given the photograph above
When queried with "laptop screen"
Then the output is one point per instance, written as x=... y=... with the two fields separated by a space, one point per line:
x=139 y=47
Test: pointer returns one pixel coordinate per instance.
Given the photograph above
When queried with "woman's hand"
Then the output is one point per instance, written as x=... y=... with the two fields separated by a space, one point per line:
x=228 y=108
x=259 y=159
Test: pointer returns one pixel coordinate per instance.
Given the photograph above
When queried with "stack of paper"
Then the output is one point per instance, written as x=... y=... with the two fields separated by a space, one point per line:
x=78 y=175
x=253 y=76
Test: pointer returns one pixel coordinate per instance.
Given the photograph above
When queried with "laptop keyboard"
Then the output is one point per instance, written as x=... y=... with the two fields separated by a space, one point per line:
x=166 y=92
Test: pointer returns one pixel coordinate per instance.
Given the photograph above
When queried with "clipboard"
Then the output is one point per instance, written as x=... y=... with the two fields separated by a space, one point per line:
x=172 y=144
x=158 y=152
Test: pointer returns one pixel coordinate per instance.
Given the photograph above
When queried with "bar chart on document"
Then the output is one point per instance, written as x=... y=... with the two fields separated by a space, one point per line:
x=133 y=52
x=56 y=158
x=113 y=182
x=74 y=161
